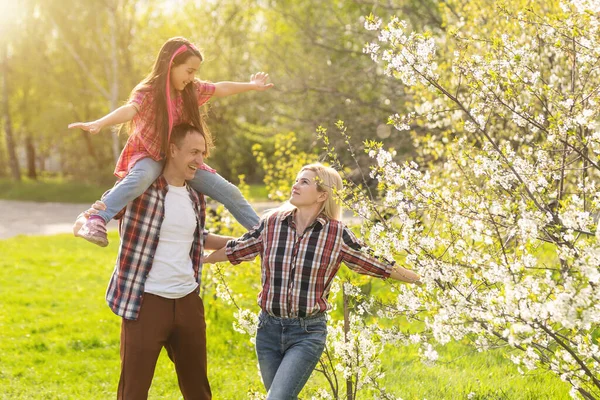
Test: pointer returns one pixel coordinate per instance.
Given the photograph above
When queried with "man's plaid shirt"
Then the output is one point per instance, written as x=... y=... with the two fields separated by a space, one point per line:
x=139 y=227
x=298 y=269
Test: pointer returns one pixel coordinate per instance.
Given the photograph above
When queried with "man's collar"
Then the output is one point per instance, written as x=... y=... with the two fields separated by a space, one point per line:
x=161 y=183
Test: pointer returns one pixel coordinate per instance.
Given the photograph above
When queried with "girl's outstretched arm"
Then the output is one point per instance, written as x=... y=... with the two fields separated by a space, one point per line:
x=257 y=82
x=120 y=115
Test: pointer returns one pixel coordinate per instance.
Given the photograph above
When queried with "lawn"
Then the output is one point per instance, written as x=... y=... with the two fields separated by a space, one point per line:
x=59 y=340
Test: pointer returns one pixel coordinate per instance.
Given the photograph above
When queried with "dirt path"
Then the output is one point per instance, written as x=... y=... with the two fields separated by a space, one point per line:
x=31 y=218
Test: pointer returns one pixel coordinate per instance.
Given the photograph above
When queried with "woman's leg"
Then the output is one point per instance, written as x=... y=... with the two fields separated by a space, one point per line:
x=302 y=343
x=268 y=347
x=218 y=188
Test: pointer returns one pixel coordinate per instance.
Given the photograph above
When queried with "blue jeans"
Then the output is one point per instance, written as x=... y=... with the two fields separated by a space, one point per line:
x=146 y=170
x=288 y=351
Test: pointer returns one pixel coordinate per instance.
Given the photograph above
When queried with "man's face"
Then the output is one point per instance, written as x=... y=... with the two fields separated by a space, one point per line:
x=186 y=158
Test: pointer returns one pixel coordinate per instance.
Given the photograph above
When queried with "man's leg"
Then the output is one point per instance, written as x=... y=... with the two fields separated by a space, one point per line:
x=141 y=342
x=187 y=348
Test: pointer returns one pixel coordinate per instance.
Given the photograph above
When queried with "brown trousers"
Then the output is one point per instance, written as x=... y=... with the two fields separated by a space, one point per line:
x=176 y=324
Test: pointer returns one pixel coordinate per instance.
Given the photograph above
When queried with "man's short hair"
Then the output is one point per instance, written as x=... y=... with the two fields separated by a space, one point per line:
x=180 y=131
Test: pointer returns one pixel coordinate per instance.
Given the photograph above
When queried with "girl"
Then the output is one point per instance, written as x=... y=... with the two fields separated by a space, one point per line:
x=302 y=245
x=169 y=95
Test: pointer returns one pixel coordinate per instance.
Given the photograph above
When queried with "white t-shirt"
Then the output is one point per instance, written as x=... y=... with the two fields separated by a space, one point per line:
x=172 y=274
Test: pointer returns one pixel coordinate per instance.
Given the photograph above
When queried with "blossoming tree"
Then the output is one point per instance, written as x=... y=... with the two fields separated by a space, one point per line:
x=497 y=210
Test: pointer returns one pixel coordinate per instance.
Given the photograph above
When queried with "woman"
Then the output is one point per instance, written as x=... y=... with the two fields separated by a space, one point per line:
x=302 y=245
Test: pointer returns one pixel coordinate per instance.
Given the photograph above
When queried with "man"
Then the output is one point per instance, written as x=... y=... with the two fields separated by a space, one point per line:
x=154 y=286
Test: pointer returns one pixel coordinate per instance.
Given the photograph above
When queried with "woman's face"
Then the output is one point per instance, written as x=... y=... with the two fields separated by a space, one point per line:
x=184 y=73
x=304 y=190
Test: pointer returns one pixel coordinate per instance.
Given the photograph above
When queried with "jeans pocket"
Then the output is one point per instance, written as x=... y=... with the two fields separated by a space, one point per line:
x=261 y=322
x=316 y=327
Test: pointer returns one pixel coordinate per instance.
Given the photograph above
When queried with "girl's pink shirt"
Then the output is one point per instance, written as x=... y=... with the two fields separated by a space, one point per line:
x=144 y=142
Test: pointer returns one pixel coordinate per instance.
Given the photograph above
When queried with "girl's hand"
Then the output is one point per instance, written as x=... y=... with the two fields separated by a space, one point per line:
x=97 y=206
x=91 y=127
x=260 y=81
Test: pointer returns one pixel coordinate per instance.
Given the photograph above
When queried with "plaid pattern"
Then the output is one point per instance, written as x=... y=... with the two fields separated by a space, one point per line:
x=144 y=142
x=297 y=270
x=139 y=227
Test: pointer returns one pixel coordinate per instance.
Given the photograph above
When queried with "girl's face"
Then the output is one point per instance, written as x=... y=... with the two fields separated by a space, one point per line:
x=304 y=190
x=184 y=73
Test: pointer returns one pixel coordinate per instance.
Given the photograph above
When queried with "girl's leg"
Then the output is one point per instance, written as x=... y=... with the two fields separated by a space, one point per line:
x=141 y=176
x=226 y=193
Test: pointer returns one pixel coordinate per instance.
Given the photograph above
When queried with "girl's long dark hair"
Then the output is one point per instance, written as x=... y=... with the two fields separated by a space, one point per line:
x=156 y=83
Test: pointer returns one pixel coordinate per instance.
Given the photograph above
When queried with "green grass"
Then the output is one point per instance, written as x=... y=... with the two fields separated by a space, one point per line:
x=50 y=190
x=59 y=340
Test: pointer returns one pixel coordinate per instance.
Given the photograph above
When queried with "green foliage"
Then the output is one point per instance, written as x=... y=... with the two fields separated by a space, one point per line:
x=312 y=51
x=282 y=165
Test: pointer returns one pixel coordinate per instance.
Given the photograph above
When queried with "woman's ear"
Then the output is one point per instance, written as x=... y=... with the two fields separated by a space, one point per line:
x=323 y=196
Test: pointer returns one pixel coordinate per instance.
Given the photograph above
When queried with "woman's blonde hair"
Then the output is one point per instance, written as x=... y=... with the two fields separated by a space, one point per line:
x=328 y=180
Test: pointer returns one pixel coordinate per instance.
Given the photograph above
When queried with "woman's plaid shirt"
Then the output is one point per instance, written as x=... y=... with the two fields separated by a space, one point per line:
x=139 y=227
x=298 y=269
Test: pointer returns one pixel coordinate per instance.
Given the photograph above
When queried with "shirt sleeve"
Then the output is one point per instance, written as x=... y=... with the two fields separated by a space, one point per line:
x=361 y=259
x=204 y=91
x=247 y=247
x=138 y=99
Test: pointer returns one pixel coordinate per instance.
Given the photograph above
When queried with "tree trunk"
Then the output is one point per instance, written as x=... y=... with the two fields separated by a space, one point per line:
x=10 y=142
x=114 y=86
x=30 y=151
x=90 y=147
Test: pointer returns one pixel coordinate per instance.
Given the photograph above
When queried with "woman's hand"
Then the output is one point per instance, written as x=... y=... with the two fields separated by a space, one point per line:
x=206 y=259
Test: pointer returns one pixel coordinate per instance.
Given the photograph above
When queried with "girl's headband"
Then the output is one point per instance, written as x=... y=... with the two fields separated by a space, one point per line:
x=170 y=110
